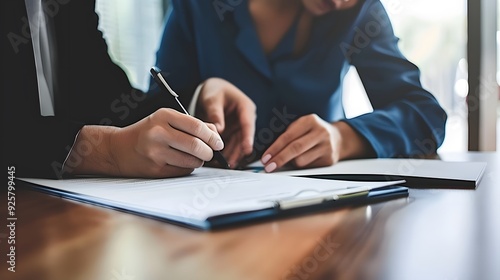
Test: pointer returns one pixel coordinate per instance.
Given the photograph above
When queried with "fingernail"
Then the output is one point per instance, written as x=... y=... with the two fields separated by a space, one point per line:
x=271 y=167
x=219 y=145
x=266 y=158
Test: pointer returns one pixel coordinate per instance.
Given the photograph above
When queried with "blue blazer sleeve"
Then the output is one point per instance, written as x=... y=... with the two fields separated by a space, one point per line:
x=176 y=56
x=407 y=120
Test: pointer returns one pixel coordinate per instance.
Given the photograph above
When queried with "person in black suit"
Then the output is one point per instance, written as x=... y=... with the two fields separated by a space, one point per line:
x=99 y=124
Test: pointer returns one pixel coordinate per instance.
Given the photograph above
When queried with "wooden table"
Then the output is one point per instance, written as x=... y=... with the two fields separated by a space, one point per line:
x=433 y=234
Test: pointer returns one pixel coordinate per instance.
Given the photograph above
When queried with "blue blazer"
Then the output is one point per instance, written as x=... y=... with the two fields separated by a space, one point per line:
x=204 y=39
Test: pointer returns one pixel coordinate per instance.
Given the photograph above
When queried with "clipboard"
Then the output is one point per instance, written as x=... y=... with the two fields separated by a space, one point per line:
x=299 y=207
x=248 y=197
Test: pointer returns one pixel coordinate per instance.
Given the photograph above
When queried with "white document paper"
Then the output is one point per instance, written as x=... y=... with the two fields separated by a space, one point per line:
x=205 y=193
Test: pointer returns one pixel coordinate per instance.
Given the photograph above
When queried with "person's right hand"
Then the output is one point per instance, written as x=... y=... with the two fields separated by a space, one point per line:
x=233 y=113
x=165 y=144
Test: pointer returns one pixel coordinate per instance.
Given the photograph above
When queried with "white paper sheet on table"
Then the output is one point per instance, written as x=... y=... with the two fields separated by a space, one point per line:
x=205 y=193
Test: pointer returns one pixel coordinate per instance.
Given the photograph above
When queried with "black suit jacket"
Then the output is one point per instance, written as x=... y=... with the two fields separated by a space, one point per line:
x=90 y=88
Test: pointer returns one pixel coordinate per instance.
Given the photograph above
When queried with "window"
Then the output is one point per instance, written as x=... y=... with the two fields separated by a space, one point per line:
x=132 y=29
x=433 y=36
x=498 y=75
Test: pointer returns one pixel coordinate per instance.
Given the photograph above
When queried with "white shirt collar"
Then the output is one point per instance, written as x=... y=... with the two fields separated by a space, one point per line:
x=40 y=34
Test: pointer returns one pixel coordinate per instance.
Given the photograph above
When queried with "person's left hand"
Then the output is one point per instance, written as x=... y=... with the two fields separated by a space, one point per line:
x=307 y=142
x=313 y=142
x=234 y=115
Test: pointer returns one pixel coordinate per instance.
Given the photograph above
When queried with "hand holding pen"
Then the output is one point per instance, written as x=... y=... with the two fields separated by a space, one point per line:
x=162 y=83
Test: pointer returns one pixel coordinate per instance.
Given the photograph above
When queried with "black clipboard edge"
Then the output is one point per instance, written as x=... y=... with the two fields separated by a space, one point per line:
x=374 y=196
x=411 y=181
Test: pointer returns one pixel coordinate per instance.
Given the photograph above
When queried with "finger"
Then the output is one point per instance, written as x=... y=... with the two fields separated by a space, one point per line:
x=214 y=109
x=188 y=144
x=197 y=129
x=232 y=152
x=247 y=117
x=181 y=159
x=310 y=158
x=212 y=127
x=293 y=132
x=235 y=157
x=291 y=151
x=162 y=154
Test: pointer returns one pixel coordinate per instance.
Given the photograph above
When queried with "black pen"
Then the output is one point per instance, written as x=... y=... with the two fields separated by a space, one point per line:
x=158 y=77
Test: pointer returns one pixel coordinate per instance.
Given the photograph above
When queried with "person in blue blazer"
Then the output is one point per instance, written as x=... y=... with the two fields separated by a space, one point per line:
x=94 y=122
x=269 y=75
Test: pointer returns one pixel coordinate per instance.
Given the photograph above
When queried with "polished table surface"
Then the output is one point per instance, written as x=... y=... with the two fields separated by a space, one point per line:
x=432 y=234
